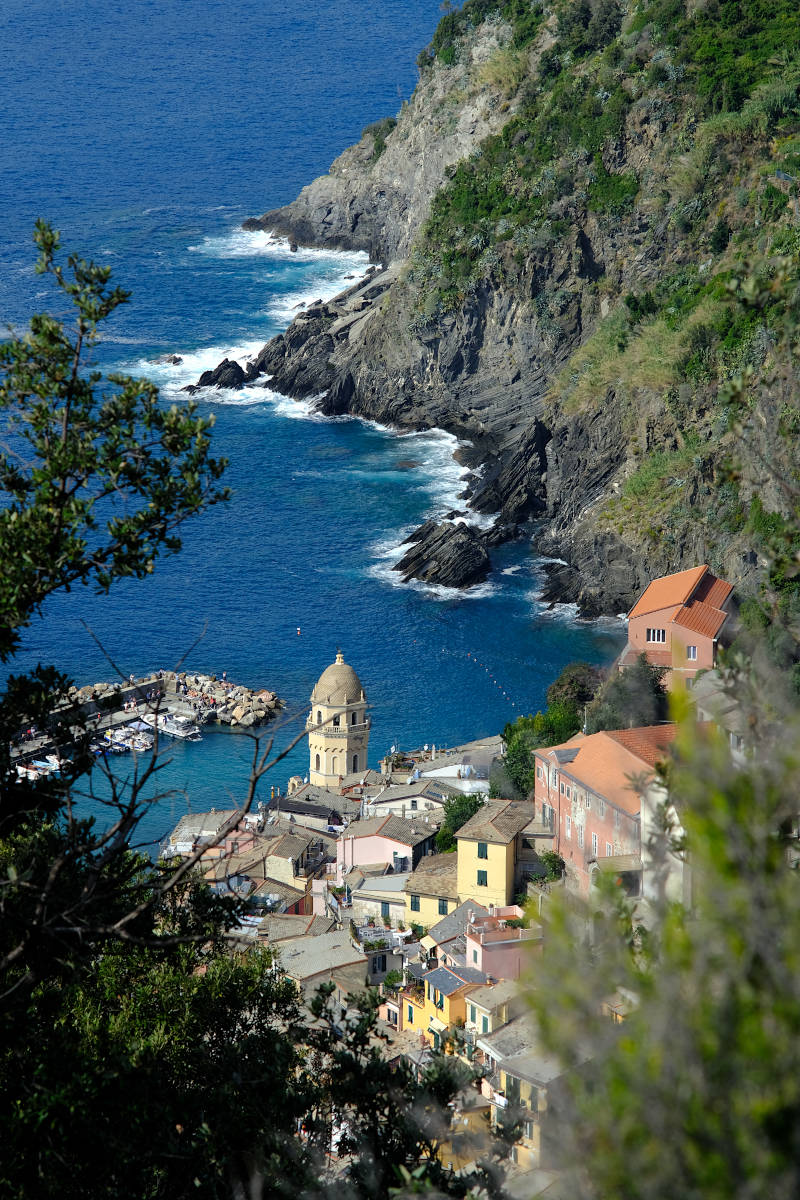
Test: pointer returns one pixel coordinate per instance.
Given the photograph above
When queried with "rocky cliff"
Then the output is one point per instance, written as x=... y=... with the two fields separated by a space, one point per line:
x=557 y=215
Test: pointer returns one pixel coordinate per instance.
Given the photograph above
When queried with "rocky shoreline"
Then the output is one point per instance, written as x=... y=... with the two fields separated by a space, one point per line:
x=396 y=349
x=209 y=698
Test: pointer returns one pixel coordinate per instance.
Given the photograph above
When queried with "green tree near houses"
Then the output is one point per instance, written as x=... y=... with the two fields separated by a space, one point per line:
x=139 y=1056
x=457 y=811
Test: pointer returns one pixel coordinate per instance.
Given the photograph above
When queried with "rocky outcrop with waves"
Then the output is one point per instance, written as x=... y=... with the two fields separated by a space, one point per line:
x=555 y=218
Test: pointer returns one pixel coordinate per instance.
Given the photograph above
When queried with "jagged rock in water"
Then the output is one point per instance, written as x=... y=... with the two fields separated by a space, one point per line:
x=452 y=555
x=227 y=374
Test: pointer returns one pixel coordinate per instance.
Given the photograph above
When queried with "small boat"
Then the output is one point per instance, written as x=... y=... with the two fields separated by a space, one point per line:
x=173 y=726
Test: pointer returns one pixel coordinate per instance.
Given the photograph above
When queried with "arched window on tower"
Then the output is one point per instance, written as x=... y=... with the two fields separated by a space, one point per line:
x=316 y=763
x=319 y=717
x=353 y=718
x=355 y=763
x=336 y=721
x=335 y=767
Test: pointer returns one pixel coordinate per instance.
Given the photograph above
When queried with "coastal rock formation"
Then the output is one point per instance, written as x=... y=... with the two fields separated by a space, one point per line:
x=227 y=374
x=526 y=299
x=448 y=554
x=378 y=192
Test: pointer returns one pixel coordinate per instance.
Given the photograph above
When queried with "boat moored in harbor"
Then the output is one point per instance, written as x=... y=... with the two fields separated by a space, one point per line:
x=173 y=725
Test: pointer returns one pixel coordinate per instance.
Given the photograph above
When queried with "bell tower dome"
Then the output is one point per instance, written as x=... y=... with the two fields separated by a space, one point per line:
x=338 y=726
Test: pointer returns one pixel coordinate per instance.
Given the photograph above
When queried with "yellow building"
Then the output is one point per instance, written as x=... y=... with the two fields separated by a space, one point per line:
x=438 y=1002
x=489 y=849
x=431 y=890
x=520 y=1076
x=338 y=726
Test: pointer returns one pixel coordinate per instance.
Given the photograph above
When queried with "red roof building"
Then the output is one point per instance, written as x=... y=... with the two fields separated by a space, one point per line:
x=677 y=623
x=589 y=792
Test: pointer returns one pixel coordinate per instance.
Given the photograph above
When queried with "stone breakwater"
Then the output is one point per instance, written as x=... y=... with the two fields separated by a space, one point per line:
x=208 y=698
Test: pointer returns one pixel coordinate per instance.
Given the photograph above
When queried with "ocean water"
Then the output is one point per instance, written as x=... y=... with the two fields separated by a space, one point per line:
x=146 y=133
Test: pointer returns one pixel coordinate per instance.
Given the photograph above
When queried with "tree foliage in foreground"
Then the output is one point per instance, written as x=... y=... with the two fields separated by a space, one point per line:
x=697 y=1092
x=140 y=1057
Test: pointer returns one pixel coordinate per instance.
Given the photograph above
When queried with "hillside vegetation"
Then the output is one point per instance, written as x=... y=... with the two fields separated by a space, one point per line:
x=591 y=212
x=668 y=134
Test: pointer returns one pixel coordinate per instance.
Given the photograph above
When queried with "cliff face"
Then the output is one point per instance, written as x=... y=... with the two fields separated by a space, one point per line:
x=556 y=297
x=377 y=193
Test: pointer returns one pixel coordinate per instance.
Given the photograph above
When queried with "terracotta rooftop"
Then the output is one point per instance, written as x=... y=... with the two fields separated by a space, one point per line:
x=669 y=591
x=606 y=762
x=497 y=821
x=650 y=743
x=700 y=618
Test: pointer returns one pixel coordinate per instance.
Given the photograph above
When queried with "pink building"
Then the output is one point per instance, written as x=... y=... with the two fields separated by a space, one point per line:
x=588 y=799
x=677 y=623
x=500 y=950
x=391 y=840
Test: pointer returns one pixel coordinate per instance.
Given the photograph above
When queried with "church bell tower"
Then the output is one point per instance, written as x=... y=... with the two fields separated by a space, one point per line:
x=338 y=726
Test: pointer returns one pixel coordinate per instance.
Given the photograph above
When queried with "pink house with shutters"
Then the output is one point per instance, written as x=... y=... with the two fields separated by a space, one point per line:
x=677 y=623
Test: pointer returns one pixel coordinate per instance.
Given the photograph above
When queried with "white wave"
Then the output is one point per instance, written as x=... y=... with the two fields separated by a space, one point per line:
x=171 y=377
x=552 y=611
x=257 y=243
x=479 y=591
x=510 y=570
x=303 y=410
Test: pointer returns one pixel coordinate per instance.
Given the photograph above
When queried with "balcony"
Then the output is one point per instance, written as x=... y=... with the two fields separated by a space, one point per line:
x=334 y=731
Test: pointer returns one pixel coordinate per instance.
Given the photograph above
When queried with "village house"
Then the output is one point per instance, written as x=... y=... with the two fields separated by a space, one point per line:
x=491 y=852
x=465 y=768
x=522 y=1076
x=195 y=830
x=325 y=958
x=281 y=927
x=585 y=791
x=445 y=941
x=436 y=1004
x=677 y=623
x=422 y=799
x=387 y=839
x=432 y=890
x=381 y=899
x=316 y=807
x=500 y=949
x=491 y=1007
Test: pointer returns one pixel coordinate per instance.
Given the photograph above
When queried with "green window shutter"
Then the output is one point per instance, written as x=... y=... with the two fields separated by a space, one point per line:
x=483 y=850
x=483 y=879
x=415 y=903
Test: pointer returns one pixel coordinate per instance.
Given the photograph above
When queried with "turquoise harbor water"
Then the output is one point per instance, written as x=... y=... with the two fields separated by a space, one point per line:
x=146 y=134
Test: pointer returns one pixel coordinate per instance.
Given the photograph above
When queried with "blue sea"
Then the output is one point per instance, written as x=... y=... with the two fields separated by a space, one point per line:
x=146 y=133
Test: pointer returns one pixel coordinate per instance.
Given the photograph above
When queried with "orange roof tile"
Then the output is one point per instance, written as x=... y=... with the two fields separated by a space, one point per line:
x=701 y=618
x=606 y=762
x=668 y=591
x=648 y=742
x=712 y=590
x=658 y=658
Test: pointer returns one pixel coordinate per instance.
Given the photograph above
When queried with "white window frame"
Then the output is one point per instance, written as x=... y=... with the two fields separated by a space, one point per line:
x=658 y=636
x=691 y=653
x=594 y=845
x=568 y=827
x=609 y=849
